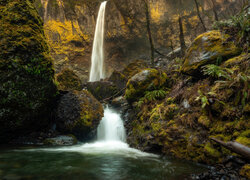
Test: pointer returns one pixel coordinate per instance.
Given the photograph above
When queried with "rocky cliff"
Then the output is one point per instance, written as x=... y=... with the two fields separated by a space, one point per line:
x=69 y=28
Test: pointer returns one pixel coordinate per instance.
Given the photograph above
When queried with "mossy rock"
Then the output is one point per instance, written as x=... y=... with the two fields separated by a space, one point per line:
x=26 y=70
x=102 y=90
x=146 y=80
x=133 y=68
x=119 y=79
x=68 y=80
x=206 y=49
x=78 y=113
x=245 y=171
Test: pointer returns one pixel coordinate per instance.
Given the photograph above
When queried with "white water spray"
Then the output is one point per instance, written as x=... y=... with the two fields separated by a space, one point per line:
x=97 y=71
x=111 y=127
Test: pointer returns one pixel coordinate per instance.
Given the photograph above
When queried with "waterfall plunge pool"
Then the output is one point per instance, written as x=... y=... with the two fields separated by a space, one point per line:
x=109 y=158
x=91 y=163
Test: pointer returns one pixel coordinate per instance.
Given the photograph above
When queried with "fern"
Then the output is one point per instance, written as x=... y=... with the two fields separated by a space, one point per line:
x=217 y=71
x=240 y=82
x=152 y=96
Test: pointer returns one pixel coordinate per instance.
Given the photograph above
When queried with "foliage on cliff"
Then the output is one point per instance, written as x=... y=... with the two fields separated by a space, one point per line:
x=26 y=69
x=196 y=109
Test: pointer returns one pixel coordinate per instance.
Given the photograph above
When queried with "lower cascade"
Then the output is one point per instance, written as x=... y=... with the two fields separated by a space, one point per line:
x=111 y=127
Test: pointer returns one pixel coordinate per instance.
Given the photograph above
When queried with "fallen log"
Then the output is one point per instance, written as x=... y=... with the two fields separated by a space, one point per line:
x=236 y=147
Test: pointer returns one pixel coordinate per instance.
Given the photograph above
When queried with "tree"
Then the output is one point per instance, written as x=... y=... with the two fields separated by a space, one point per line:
x=199 y=15
x=181 y=36
x=214 y=10
x=149 y=31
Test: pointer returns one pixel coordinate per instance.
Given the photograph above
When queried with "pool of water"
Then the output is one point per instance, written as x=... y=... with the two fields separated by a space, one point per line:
x=97 y=161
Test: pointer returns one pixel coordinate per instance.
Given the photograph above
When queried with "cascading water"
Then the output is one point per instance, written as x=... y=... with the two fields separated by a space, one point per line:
x=111 y=127
x=97 y=71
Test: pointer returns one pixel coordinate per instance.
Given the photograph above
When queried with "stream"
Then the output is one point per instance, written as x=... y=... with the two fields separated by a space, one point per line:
x=109 y=157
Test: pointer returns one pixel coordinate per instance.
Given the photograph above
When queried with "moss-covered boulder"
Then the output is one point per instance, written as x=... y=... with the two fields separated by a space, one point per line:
x=119 y=79
x=146 y=80
x=133 y=68
x=78 y=113
x=68 y=80
x=26 y=70
x=207 y=49
x=102 y=90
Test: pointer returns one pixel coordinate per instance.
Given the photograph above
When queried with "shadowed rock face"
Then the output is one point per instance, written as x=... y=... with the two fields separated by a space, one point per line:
x=70 y=25
x=26 y=70
x=78 y=113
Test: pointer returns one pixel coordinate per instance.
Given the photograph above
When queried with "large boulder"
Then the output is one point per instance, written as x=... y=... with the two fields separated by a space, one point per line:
x=119 y=79
x=68 y=80
x=27 y=76
x=146 y=80
x=206 y=49
x=102 y=90
x=78 y=113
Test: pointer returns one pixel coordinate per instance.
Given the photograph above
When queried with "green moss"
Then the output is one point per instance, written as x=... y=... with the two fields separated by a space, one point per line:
x=204 y=120
x=146 y=80
x=243 y=140
x=68 y=80
x=206 y=49
x=211 y=151
x=245 y=171
x=26 y=69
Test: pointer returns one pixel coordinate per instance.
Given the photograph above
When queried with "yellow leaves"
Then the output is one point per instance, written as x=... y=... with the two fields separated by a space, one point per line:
x=65 y=32
x=156 y=12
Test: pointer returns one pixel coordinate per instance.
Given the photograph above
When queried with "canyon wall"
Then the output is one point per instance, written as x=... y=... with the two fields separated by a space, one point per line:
x=70 y=24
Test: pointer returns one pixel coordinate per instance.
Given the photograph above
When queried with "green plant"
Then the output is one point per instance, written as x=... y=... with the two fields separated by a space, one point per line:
x=240 y=82
x=237 y=26
x=203 y=98
x=217 y=71
x=152 y=96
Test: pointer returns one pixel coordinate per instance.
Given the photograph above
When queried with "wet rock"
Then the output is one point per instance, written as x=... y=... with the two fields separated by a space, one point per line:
x=102 y=90
x=119 y=102
x=119 y=79
x=232 y=168
x=207 y=49
x=146 y=80
x=63 y=140
x=68 y=80
x=78 y=113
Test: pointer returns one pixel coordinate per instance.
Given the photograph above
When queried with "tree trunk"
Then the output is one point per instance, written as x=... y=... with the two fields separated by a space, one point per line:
x=238 y=148
x=215 y=12
x=182 y=39
x=199 y=15
x=149 y=32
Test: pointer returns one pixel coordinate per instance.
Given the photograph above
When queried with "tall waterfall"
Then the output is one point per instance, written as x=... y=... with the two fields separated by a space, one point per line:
x=97 y=71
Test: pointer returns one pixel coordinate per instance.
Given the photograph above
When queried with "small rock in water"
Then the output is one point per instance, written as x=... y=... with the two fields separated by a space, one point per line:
x=61 y=141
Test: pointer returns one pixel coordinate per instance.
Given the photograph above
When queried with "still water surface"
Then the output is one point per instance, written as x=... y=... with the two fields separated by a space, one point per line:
x=98 y=161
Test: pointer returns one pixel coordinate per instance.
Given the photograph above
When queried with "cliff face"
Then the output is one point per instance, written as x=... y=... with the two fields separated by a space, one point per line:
x=70 y=24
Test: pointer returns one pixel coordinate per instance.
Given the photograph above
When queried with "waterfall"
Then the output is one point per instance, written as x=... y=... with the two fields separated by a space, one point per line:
x=97 y=71
x=111 y=127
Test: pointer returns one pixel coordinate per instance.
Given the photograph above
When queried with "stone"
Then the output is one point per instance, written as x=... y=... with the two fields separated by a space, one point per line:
x=102 y=90
x=206 y=49
x=78 y=113
x=27 y=86
x=63 y=140
x=68 y=80
x=146 y=80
